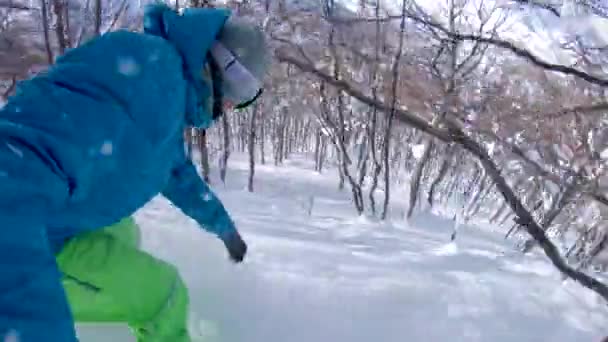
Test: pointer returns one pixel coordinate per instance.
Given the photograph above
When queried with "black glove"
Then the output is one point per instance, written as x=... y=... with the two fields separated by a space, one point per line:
x=236 y=246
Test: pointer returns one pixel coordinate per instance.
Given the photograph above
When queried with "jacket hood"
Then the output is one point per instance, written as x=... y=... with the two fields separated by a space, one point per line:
x=192 y=33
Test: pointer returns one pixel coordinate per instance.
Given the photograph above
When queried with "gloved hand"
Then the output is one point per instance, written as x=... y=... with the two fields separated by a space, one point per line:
x=237 y=248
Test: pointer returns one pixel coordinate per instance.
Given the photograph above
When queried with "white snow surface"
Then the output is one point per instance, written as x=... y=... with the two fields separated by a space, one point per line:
x=333 y=276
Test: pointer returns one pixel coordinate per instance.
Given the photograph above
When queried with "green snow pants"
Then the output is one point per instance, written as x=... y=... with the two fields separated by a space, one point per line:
x=108 y=279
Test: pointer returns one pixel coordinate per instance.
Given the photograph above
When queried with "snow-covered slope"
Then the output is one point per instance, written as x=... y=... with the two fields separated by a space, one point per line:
x=333 y=277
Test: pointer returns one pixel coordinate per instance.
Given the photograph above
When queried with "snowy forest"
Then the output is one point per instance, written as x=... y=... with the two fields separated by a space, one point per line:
x=489 y=112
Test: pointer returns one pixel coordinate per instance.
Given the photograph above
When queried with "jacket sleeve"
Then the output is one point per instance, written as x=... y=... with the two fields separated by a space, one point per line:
x=33 y=305
x=192 y=195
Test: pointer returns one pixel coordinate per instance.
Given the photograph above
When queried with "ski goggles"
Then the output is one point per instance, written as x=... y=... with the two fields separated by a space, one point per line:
x=239 y=85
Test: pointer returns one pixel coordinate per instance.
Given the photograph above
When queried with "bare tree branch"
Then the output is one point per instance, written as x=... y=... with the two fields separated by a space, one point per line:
x=81 y=31
x=525 y=218
x=455 y=134
x=45 y=30
x=10 y=88
x=391 y=114
x=60 y=25
x=8 y=4
x=122 y=9
x=541 y=5
x=594 y=109
x=97 y=21
x=521 y=52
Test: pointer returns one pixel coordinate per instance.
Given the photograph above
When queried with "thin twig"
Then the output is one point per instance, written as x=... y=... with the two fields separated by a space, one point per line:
x=455 y=134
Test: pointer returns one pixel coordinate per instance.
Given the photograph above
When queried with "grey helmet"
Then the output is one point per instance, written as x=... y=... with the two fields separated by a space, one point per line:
x=242 y=57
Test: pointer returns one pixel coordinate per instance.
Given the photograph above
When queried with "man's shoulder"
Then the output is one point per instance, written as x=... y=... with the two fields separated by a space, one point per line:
x=120 y=43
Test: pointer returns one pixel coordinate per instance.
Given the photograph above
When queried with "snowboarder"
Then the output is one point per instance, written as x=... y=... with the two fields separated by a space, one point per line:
x=86 y=143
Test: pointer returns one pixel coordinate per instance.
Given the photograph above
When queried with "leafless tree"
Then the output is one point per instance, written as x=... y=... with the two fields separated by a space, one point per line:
x=474 y=122
x=251 y=145
x=458 y=129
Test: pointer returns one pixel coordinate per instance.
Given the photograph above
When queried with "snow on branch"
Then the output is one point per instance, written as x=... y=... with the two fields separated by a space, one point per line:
x=521 y=52
x=539 y=4
x=454 y=134
x=12 y=5
x=420 y=18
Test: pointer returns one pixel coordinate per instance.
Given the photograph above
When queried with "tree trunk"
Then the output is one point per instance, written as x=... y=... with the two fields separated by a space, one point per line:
x=251 y=142
x=377 y=165
x=505 y=206
x=188 y=141
x=97 y=22
x=45 y=30
x=318 y=151
x=305 y=138
x=475 y=203
x=372 y=128
x=511 y=230
x=340 y=173
x=204 y=151
x=480 y=200
x=443 y=169
x=415 y=183
x=501 y=209
x=374 y=186
x=262 y=138
x=10 y=89
x=68 y=32
x=287 y=139
x=323 y=155
x=226 y=148
x=280 y=139
x=243 y=133
x=391 y=116
x=58 y=6
x=363 y=158
x=340 y=142
x=409 y=162
x=452 y=187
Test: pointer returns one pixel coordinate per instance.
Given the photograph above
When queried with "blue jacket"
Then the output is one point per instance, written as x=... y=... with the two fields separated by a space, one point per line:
x=89 y=142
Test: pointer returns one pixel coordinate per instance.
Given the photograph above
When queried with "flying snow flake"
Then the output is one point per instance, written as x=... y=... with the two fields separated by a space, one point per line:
x=448 y=249
x=148 y=23
x=11 y=336
x=92 y=151
x=64 y=116
x=107 y=148
x=241 y=52
x=534 y=156
x=154 y=56
x=547 y=200
x=563 y=151
x=17 y=109
x=553 y=188
x=206 y=330
x=298 y=38
x=15 y=150
x=207 y=196
x=491 y=148
x=514 y=165
x=128 y=66
x=604 y=154
x=418 y=151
